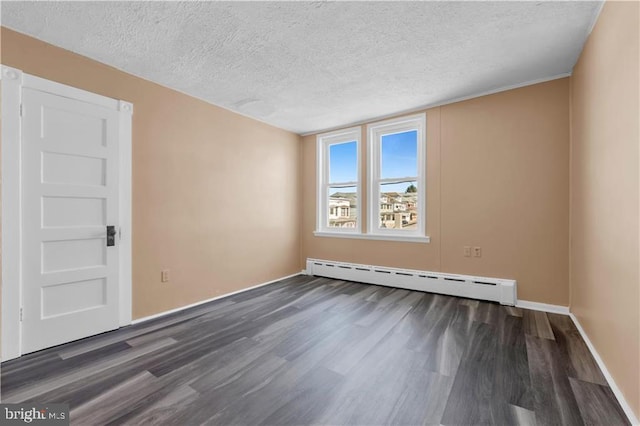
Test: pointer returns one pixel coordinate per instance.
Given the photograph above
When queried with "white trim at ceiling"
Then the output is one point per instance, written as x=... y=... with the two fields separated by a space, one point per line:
x=442 y=103
x=342 y=126
x=594 y=19
x=592 y=24
x=150 y=81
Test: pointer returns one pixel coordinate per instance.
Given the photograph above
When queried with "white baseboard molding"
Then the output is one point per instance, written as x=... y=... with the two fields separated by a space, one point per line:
x=612 y=384
x=202 y=302
x=483 y=288
x=544 y=307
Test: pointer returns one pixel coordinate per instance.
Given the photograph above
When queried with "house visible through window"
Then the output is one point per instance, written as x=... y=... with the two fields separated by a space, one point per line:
x=398 y=181
x=395 y=180
x=396 y=176
x=338 y=177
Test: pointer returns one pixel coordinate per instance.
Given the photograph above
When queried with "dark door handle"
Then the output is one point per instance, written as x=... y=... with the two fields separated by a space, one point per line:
x=111 y=236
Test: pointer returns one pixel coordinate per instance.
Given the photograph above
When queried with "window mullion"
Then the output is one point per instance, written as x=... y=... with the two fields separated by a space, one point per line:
x=342 y=184
x=398 y=180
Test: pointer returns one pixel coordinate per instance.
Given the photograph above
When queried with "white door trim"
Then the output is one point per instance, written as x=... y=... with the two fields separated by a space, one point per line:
x=11 y=212
x=13 y=80
x=125 y=130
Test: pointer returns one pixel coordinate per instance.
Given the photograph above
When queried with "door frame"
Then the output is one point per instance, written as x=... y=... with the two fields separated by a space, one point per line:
x=13 y=81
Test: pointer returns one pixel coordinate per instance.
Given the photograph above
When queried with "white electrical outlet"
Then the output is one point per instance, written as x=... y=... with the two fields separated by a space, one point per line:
x=164 y=276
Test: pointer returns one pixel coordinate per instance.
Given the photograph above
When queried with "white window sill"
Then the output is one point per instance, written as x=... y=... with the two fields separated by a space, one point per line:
x=358 y=236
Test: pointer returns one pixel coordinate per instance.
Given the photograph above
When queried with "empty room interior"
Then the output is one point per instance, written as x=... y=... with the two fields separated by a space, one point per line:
x=320 y=213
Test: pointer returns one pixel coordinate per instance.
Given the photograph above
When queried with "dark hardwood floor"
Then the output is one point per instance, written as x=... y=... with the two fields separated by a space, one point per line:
x=311 y=350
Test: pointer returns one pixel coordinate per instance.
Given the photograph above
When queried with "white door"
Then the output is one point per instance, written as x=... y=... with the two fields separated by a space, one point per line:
x=69 y=198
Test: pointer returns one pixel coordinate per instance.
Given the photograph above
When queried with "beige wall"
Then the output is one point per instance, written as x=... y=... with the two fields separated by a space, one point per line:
x=213 y=197
x=605 y=280
x=498 y=178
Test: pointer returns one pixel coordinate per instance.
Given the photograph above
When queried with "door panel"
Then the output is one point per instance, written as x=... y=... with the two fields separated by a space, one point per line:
x=70 y=195
x=73 y=297
x=63 y=255
x=74 y=169
x=73 y=211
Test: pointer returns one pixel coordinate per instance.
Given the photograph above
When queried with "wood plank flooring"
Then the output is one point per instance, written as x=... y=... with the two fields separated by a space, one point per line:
x=311 y=350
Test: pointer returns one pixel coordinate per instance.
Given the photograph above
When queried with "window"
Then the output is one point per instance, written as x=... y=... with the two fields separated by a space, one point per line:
x=395 y=181
x=339 y=181
x=396 y=177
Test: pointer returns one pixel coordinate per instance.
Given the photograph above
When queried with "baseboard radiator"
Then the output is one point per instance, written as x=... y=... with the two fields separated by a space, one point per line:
x=493 y=289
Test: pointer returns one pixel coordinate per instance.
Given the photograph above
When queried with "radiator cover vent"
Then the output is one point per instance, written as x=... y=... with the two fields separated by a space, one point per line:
x=493 y=289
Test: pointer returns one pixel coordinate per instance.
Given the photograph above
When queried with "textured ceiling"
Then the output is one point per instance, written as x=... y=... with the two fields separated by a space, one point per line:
x=307 y=66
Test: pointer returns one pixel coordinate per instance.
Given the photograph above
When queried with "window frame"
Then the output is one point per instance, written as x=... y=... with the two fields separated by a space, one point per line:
x=323 y=143
x=375 y=132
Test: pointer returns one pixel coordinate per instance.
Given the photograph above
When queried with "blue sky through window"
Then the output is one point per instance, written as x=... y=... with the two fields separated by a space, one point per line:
x=343 y=162
x=399 y=159
x=399 y=155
